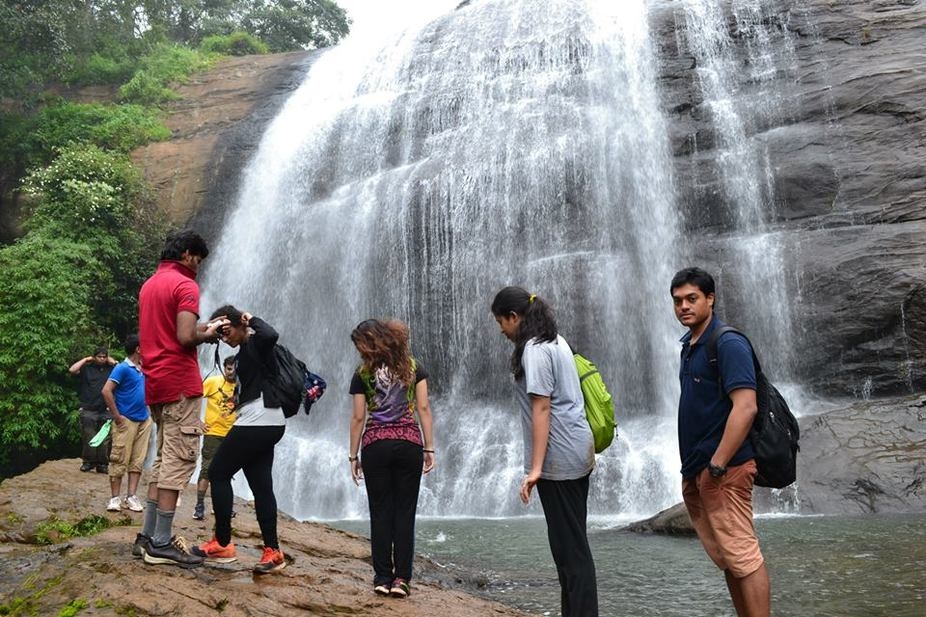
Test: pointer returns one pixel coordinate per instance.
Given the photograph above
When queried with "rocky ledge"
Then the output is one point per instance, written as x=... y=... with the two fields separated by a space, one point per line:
x=328 y=571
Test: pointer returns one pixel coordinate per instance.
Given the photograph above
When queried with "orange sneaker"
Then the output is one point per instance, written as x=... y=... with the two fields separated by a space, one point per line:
x=215 y=552
x=271 y=561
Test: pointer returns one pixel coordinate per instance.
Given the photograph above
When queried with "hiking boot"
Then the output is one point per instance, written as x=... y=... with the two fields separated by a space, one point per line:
x=399 y=588
x=87 y=467
x=213 y=551
x=132 y=503
x=199 y=512
x=381 y=590
x=138 y=549
x=114 y=505
x=175 y=553
x=271 y=561
x=102 y=468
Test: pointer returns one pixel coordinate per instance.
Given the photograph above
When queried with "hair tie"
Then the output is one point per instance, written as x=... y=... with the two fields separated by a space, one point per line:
x=531 y=299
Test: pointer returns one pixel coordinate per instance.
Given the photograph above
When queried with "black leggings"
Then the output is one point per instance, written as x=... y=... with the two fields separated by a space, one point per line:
x=392 y=473
x=249 y=448
x=565 y=506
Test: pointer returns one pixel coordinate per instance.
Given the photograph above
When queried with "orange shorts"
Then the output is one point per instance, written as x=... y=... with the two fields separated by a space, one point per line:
x=721 y=514
x=179 y=430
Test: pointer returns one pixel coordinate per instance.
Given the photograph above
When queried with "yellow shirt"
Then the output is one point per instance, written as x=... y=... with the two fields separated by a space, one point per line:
x=220 y=405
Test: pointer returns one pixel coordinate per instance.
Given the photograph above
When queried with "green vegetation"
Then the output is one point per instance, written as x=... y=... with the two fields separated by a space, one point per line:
x=55 y=530
x=234 y=44
x=28 y=604
x=70 y=283
x=73 y=607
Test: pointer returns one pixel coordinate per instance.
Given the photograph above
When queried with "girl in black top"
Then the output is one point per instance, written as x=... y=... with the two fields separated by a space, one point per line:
x=249 y=445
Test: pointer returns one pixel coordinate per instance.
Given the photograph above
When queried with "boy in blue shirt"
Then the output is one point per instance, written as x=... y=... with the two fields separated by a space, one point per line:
x=124 y=394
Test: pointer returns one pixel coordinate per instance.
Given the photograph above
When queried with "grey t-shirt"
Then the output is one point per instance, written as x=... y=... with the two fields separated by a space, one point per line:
x=549 y=370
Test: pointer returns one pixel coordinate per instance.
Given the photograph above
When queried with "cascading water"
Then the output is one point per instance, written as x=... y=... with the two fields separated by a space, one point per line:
x=505 y=142
x=755 y=255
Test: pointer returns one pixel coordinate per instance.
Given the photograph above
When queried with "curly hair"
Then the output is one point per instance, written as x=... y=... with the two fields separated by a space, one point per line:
x=384 y=343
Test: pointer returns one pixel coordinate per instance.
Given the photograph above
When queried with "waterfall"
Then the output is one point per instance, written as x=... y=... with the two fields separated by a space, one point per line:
x=504 y=142
x=739 y=47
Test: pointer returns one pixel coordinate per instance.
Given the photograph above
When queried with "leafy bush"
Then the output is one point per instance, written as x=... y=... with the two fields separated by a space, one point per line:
x=47 y=318
x=102 y=69
x=234 y=44
x=85 y=193
x=165 y=65
x=146 y=89
x=116 y=127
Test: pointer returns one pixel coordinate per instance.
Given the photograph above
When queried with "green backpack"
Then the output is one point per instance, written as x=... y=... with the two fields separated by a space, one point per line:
x=599 y=406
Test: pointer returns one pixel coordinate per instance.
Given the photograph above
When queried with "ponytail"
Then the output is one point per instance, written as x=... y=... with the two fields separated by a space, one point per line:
x=537 y=321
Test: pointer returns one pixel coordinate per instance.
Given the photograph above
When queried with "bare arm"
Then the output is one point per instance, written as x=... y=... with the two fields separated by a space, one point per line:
x=738 y=424
x=424 y=417
x=540 y=436
x=109 y=398
x=191 y=334
x=75 y=368
x=357 y=419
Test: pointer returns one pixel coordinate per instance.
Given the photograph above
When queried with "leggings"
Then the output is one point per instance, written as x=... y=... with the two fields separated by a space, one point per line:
x=249 y=448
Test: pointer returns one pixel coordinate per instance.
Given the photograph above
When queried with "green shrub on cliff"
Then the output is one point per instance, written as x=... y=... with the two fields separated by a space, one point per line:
x=234 y=44
x=166 y=65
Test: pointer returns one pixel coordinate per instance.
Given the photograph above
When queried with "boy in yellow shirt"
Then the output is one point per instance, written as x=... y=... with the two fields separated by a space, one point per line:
x=219 y=392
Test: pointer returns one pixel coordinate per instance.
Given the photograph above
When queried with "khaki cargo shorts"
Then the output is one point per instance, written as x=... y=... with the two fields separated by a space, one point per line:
x=721 y=514
x=179 y=429
x=130 y=447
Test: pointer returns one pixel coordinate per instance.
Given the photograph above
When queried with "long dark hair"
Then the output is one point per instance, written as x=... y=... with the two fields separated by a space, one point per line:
x=537 y=321
x=384 y=343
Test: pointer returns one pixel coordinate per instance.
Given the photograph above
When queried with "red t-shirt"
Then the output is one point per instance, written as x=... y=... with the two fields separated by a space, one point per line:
x=171 y=370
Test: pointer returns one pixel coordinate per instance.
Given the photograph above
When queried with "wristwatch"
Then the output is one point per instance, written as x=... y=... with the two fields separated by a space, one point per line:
x=716 y=471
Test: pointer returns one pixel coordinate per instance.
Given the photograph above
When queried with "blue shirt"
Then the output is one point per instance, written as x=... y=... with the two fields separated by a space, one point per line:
x=704 y=405
x=130 y=391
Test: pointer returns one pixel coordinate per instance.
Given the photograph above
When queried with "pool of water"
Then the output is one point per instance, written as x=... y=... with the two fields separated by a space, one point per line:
x=829 y=566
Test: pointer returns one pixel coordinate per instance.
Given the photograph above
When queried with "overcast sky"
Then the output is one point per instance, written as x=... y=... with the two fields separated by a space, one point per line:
x=389 y=15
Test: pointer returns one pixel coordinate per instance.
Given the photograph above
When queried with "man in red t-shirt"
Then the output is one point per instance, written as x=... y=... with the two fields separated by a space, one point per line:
x=168 y=312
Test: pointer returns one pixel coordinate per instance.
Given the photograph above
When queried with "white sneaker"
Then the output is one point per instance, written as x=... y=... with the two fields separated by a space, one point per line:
x=114 y=505
x=132 y=503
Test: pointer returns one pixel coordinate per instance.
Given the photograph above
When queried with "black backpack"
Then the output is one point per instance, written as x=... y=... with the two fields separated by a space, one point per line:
x=775 y=432
x=293 y=384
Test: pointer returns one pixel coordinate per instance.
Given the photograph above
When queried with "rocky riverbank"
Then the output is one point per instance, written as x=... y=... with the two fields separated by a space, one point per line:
x=328 y=571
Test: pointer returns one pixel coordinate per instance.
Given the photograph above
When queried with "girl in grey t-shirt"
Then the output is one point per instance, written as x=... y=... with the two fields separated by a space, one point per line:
x=559 y=448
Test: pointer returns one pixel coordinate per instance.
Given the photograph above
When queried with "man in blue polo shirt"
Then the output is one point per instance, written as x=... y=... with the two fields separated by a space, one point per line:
x=124 y=394
x=715 y=412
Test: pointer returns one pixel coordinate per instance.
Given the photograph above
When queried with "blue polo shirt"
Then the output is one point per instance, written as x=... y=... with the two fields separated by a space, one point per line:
x=704 y=407
x=130 y=391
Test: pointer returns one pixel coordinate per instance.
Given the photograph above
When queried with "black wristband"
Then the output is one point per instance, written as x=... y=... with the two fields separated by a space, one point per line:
x=716 y=471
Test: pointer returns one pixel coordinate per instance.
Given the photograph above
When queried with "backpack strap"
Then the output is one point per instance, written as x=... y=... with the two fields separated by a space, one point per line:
x=712 y=353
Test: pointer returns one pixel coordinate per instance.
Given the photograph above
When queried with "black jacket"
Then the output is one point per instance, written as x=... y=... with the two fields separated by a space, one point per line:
x=255 y=362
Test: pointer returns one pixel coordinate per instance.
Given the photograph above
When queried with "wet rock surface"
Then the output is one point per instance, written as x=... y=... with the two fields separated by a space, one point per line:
x=839 y=123
x=328 y=571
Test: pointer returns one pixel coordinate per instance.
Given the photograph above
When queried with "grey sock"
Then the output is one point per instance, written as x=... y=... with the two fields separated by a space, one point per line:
x=151 y=513
x=162 y=528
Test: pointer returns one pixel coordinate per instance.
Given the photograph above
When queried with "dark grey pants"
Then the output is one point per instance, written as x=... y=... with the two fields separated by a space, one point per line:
x=565 y=506
x=90 y=424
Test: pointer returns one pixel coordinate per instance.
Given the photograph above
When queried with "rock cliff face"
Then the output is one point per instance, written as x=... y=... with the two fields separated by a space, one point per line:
x=845 y=145
x=215 y=124
x=328 y=571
